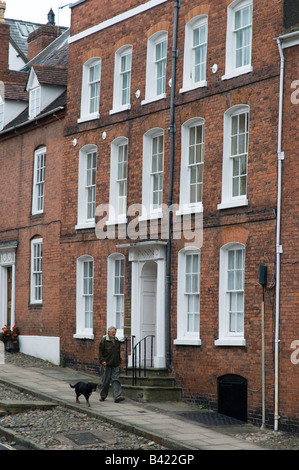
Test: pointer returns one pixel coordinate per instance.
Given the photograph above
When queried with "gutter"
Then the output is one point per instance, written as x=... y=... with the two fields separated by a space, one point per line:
x=280 y=158
x=172 y=130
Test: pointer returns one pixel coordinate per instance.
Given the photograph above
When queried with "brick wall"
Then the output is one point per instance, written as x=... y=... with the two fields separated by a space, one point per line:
x=18 y=223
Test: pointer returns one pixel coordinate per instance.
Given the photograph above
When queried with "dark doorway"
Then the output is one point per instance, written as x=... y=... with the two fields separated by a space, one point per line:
x=232 y=396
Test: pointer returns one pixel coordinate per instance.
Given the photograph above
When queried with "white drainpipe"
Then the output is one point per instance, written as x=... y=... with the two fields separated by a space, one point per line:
x=280 y=156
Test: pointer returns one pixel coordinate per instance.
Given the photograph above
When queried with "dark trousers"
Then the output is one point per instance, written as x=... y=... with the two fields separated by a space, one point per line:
x=111 y=374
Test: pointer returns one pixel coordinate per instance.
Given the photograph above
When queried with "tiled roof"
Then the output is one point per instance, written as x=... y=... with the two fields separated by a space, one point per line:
x=15 y=91
x=49 y=75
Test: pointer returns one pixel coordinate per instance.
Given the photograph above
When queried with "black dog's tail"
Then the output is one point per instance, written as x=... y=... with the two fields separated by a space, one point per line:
x=72 y=386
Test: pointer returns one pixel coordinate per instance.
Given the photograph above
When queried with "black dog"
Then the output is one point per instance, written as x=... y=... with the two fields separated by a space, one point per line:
x=85 y=389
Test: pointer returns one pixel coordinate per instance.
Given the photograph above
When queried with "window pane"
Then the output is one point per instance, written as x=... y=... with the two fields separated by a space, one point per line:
x=37 y=253
x=243 y=31
x=119 y=272
x=160 y=58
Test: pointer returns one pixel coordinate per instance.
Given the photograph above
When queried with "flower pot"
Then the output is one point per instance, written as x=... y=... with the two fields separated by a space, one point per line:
x=12 y=346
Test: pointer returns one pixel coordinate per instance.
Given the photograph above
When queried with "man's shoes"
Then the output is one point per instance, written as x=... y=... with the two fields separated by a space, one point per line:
x=102 y=399
x=119 y=399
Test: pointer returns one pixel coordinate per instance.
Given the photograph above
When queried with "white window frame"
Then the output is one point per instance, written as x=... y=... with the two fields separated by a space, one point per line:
x=83 y=221
x=186 y=206
x=83 y=330
x=34 y=102
x=227 y=198
x=226 y=336
x=148 y=211
x=118 y=105
x=189 y=83
x=115 y=216
x=151 y=93
x=113 y=293
x=86 y=114
x=39 y=181
x=36 y=271
x=231 y=68
x=185 y=337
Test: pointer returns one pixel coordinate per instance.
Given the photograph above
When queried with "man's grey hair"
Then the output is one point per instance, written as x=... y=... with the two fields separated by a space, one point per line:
x=111 y=328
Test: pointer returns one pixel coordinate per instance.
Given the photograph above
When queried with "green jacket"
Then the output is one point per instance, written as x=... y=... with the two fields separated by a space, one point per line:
x=109 y=351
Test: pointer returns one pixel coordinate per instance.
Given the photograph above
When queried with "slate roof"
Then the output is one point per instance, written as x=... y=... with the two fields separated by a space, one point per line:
x=19 y=36
x=60 y=102
x=18 y=39
x=50 y=66
x=55 y=54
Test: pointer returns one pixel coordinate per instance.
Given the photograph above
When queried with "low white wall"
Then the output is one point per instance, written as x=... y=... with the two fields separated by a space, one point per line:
x=43 y=347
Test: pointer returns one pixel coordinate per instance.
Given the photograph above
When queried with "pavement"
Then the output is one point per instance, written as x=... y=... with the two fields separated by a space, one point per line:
x=166 y=423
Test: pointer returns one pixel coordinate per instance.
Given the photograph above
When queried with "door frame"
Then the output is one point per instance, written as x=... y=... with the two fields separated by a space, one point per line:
x=139 y=254
x=7 y=260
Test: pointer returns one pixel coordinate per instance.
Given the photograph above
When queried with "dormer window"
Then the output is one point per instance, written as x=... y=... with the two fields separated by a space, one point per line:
x=45 y=84
x=34 y=90
x=34 y=102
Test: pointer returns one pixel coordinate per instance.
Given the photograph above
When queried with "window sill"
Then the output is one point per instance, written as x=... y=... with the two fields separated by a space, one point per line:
x=83 y=336
x=85 y=226
x=237 y=72
x=231 y=342
x=151 y=216
x=36 y=304
x=126 y=107
x=35 y=213
x=117 y=221
x=153 y=99
x=232 y=204
x=90 y=117
x=186 y=209
x=194 y=86
x=187 y=342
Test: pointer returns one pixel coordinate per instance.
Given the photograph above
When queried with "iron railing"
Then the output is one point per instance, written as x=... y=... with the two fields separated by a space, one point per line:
x=140 y=359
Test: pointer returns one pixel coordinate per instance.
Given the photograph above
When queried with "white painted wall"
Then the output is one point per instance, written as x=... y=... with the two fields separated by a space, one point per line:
x=43 y=347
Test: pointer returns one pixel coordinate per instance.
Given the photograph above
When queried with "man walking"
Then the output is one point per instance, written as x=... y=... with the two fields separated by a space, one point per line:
x=109 y=356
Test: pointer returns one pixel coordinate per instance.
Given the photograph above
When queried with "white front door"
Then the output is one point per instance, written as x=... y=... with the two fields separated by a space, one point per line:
x=148 y=298
x=148 y=304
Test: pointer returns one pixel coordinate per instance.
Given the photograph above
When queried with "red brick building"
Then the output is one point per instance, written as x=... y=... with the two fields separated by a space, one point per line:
x=177 y=105
x=210 y=149
x=32 y=110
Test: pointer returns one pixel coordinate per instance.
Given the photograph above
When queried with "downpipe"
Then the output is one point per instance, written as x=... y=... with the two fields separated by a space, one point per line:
x=172 y=130
x=280 y=157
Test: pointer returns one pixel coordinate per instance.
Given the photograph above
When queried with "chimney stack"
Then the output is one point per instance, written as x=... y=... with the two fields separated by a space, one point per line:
x=39 y=39
x=4 y=41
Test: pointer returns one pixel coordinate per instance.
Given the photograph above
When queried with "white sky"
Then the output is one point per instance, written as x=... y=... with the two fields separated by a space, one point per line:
x=37 y=10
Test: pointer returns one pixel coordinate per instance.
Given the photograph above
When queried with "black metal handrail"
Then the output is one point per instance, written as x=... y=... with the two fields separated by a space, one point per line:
x=138 y=353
